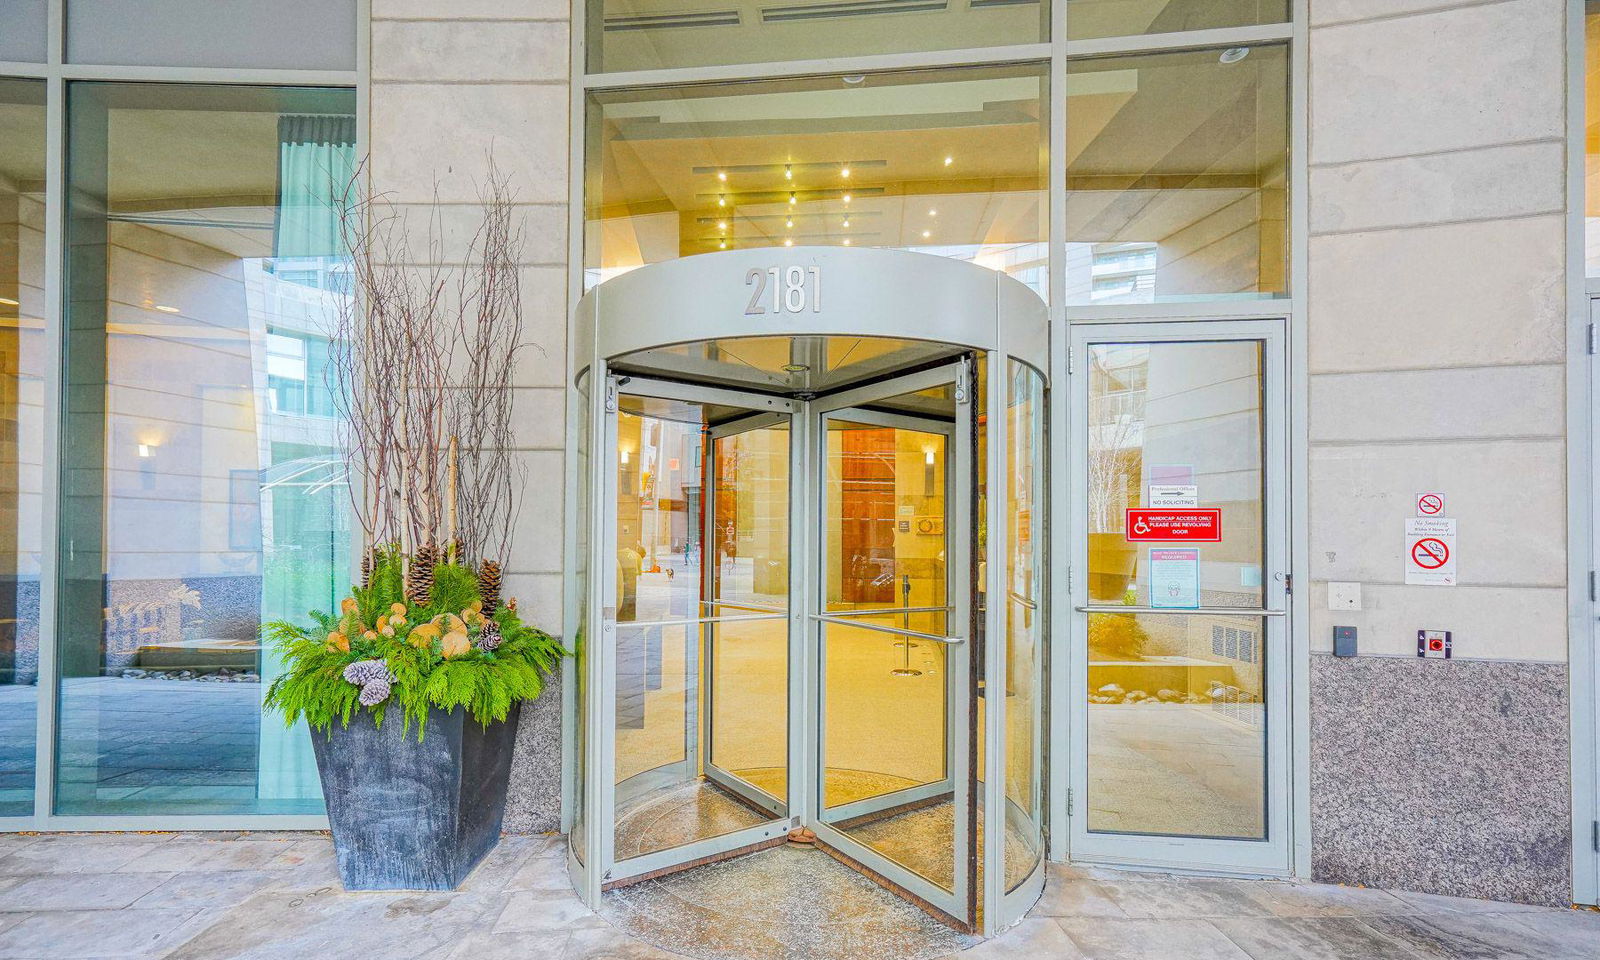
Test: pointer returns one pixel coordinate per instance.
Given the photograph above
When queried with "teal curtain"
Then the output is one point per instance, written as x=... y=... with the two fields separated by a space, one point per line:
x=316 y=158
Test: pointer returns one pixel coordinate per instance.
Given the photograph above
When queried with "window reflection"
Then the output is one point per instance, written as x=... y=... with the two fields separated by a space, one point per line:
x=1177 y=176
x=1092 y=19
x=950 y=163
x=203 y=491
x=22 y=353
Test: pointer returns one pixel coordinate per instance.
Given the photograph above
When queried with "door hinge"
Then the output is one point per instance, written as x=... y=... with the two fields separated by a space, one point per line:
x=1069 y=801
x=1590 y=333
x=611 y=394
x=1069 y=579
x=964 y=380
x=1069 y=360
x=1591 y=587
x=1595 y=836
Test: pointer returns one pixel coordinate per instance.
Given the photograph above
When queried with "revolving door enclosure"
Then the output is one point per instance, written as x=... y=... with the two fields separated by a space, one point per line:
x=809 y=573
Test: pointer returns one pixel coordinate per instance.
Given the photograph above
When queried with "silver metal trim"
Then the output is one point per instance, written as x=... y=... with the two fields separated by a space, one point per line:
x=1203 y=611
x=897 y=631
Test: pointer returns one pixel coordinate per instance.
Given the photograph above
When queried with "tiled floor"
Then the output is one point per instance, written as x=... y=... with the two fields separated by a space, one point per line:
x=258 y=896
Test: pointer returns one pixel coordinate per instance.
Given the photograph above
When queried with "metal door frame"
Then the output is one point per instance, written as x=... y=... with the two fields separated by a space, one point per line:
x=603 y=715
x=1272 y=856
x=959 y=730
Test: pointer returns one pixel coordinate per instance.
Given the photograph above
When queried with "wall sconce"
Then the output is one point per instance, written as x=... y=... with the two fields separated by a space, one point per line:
x=927 y=471
x=624 y=455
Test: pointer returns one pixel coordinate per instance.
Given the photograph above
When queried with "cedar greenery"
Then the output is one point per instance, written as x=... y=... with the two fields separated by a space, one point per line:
x=429 y=669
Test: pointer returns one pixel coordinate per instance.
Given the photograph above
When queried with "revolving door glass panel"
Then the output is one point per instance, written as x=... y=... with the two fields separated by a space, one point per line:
x=701 y=659
x=895 y=499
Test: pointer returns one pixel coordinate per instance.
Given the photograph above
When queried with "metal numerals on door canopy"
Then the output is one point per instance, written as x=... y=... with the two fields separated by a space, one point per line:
x=794 y=289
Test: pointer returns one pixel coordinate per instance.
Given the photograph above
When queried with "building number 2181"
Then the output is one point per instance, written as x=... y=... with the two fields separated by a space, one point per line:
x=794 y=289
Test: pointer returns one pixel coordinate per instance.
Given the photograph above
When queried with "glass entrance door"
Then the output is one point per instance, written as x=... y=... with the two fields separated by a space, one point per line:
x=1180 y=641
x=892 y=617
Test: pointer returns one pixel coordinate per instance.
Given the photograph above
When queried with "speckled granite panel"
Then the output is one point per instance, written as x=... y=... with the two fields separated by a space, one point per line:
x=1445 y=777
x=533 y=801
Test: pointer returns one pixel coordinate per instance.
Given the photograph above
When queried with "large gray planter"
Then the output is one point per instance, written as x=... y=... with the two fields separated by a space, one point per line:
x=408 y=815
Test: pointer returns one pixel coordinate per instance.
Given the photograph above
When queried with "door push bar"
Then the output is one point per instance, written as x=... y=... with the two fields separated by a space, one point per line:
x=1203 y=611
x=897 y=631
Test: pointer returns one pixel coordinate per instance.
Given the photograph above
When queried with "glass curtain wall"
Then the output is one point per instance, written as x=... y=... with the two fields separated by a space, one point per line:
x=203 y=493
x=23 y=351
x=948 y=162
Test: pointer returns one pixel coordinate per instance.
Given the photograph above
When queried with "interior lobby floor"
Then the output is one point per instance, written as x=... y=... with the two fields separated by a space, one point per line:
x=276 y=896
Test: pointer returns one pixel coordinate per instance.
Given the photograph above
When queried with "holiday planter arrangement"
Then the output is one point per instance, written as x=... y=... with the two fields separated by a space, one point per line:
x=412 y=689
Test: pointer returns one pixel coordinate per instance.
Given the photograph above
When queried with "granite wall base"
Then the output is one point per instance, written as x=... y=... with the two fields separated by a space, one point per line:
x=1441 y=776
x=533 y=801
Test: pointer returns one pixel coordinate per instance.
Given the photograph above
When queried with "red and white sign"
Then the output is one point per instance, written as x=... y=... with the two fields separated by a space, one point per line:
x=1147 y=525
x=1430 y=504
x=1431 y=551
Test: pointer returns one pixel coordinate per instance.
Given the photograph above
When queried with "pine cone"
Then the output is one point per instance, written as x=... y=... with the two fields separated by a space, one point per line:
x=490 y=637
x=419 y=578
x=489 y=586
x=366 y=570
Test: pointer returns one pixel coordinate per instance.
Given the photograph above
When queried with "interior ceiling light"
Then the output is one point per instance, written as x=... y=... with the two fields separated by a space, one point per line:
x=1234 y=54
x=854 y=79
x=789 y=222
x=847 y=198
x=722 y=201
x=723 y=245
x=796 y=367
x=8 y=301
x=926 y=234
x=847 y=241
x=788 y=243
x=722 y=224
x=847 y=223
x=949 y=160
x=932 y=212
x=844 y=172
x=722 y=175
x=166 y=309
x=788 y=173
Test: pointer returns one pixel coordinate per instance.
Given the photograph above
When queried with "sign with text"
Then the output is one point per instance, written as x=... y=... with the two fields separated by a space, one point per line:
x=1173 y=495
x=1431 y=551
x=1175 y=577
x=1156 y=525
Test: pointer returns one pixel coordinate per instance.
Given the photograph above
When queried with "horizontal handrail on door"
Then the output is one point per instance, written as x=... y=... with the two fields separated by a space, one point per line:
x=688 y=620
x=1205 y=611
x=731 y=605
x=886 y=611
x=897 y=631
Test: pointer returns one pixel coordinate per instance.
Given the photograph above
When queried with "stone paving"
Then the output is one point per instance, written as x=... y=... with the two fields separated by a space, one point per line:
x=192 y=896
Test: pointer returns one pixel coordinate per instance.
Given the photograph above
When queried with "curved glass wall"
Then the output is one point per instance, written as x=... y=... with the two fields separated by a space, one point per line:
x=1027 y=522
x=1177 y=176
x=23 y=351
x=947 y=162
x=203 y=491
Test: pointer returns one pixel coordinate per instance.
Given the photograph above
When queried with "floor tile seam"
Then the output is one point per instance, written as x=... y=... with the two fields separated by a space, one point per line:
x=1403 y=945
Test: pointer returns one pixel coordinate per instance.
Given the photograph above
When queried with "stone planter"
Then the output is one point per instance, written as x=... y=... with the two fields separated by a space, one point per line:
x=408 y=815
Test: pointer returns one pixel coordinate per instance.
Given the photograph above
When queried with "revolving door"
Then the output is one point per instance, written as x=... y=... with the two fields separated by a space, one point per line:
x=811 y=568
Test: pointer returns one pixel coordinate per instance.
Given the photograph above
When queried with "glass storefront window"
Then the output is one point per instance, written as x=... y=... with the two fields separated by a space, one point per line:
x=646 y=35
x=1092 y=19
x=947 y=162
x=1177 y=176
x=203 y=492
x=22 y=363
x=1591 y=138
x=23 y=39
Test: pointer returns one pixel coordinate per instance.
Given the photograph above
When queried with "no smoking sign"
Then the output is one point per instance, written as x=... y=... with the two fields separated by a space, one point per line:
x=1430 y=504
x=1431 y=551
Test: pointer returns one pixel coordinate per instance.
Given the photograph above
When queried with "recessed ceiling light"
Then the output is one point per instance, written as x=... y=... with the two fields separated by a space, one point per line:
x=722 y=201
x=949 y=160
x=853 y=79
x=926 y=234
x=791 y=198
x=722 y=175
x=8 y=301
x=166 y=309
x=722 y=224
x=722 y=245
x=789 y=222
x=796 y=367
x=847 y=241
x=847 y=198
x=847 y=223
x=1234 y=54
x=788 y=172
x=788 y=243
x=844 y=172
x=932 y=212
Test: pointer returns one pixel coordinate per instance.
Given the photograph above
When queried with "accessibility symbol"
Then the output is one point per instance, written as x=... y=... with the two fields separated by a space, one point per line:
x=1430 y=553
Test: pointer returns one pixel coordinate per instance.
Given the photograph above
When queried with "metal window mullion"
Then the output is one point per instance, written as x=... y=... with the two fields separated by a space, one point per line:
x=47 y=685
x=994 y=647
x=779 y=69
